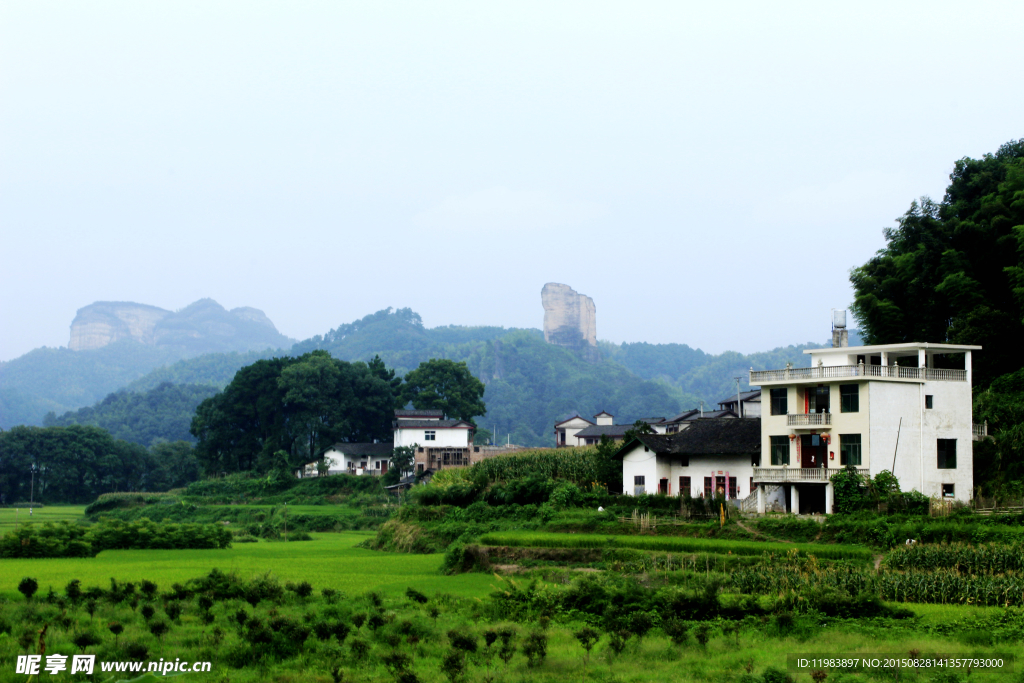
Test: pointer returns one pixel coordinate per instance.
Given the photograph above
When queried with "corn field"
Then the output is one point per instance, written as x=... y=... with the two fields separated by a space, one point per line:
x=578 y=465
x=946 y=586
x=983 y=559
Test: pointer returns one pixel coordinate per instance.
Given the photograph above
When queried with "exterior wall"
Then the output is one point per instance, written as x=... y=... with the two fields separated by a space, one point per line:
x=752 y=408
x=916 y=458
x=341 y=463
x=639 y=463
x=654 y=469
x=445 y=437
x=711 y=466
x=571 y=427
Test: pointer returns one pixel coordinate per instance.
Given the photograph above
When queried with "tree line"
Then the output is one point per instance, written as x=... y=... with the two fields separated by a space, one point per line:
x=953 y=271
x=76 y=464
x=282 y=413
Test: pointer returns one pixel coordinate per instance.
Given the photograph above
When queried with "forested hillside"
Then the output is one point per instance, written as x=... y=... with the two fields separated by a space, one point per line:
x=147 y=418
x=529 y=384
x=953 y=271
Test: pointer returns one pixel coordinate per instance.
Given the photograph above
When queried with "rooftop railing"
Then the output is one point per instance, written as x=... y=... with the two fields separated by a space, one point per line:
x=860 y=370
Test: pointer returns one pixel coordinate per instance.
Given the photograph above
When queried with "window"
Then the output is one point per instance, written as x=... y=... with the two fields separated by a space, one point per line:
x=430 y=435
x=751 y=489
x=734 y=492
x=639 y=488
x=948 y=491
x=946 y=449
x=849 y=450
x=849 y=398
x=928 y=401
x=684 y=486
x=780 y=450
x=780 y=405
x=707 y=487
x=419 y=467
x=561 y=436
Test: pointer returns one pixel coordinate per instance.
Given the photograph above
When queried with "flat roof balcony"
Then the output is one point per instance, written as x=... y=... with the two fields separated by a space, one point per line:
x=896 y=373
x=797 y=475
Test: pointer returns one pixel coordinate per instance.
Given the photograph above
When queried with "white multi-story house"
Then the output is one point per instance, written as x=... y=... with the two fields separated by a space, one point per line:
x=439 y=443
x=885 y=407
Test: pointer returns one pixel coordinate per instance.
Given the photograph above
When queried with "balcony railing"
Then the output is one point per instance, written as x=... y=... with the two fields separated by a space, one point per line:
x=798 y=474
x=979 y=432
x=809 y=419
x=841 y=371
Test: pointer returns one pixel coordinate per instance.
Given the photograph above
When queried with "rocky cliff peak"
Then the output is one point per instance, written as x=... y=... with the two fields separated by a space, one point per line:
x=570 y=319
x=203 y=326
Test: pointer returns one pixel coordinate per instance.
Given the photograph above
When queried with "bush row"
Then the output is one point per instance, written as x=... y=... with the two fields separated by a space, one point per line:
x=64 y=539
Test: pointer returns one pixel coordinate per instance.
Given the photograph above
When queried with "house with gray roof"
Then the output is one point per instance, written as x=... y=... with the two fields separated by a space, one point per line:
x=709 y=457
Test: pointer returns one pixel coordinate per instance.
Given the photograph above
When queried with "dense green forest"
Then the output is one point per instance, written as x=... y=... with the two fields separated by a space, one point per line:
x=953 y=272
x=163 y=413
x=78 y=463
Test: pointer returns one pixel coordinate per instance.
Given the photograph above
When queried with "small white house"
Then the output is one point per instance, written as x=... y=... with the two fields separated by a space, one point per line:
x=709 y=457
x=905 y=408
x=354 y=458
x=566 y=430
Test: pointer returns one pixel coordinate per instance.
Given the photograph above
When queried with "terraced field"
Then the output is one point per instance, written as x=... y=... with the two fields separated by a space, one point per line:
x=672 y=544
x=9 y=517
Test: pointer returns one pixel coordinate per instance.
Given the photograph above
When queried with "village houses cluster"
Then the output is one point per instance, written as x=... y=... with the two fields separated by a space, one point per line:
x=904 y=408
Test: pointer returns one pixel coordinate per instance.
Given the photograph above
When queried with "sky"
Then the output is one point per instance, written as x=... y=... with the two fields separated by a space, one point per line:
x=708 y=173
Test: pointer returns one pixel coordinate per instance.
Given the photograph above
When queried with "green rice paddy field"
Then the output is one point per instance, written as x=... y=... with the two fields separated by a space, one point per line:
x=9 y=517
x=329 y=560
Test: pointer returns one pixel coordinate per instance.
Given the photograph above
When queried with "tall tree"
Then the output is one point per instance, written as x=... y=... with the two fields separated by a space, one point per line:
x=954 y=271
x=298 y=406
x=441 y=384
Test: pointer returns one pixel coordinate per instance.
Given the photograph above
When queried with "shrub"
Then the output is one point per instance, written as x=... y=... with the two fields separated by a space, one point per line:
x=453 y=665
x=85 y=639
x=465 y=642
x=416 y=596
x=587 y=638
x=28 y=587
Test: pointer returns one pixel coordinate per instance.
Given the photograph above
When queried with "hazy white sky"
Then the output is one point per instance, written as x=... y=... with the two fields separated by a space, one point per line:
x=707 y=172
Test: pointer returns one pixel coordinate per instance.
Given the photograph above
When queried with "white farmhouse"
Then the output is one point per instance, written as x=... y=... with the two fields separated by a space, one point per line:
x=899 y=407
x=354 y=458
x=708 y=457
x=439 y=443
x=566 y=430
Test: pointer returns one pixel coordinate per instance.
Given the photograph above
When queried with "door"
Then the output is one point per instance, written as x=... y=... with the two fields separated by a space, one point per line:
x=812 y=451
x=720 y=486
x=663 y=487
x=383 y=466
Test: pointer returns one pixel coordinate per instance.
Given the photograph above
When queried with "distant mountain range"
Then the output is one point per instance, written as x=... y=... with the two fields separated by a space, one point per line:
x=530 y=384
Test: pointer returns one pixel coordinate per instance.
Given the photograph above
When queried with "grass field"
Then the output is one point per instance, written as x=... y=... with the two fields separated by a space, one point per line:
x=11 y=516
x=671 y=544
x=330 y=560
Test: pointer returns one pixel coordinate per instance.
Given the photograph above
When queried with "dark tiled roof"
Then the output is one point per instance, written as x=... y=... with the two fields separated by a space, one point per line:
x=741 y=436
x=695 y=415
x=729 y=412
x=652 y=420
x=745 y=396
x=601 y=430
x=363 y=448
x=685 y=415
x=430 y=424
x=420 y=413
